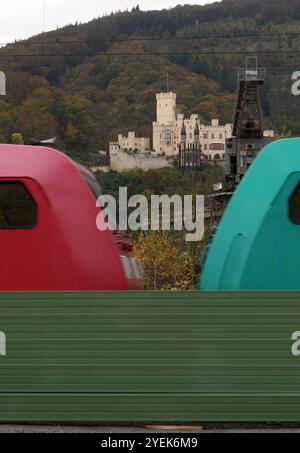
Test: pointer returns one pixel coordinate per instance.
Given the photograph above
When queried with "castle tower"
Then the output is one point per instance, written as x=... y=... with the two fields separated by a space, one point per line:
x=166 y=107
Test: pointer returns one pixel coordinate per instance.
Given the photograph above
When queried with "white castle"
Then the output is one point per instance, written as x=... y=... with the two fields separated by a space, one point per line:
x=169 y=125
x=169 y=131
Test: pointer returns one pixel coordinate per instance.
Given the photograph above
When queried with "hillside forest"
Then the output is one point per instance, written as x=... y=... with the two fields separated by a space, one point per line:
x=85 y=83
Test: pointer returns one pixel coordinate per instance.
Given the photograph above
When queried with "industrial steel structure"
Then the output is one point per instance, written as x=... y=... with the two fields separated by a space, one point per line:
x=248 y=134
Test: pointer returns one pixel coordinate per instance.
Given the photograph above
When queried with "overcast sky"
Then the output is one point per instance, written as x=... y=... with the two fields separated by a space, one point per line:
x=24 y=18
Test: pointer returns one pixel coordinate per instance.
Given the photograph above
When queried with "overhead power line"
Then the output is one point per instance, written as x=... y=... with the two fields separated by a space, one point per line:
x=152 y=54
x=150 y=39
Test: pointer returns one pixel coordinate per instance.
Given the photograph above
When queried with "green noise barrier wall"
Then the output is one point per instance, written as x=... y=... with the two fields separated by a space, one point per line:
x=149 y=356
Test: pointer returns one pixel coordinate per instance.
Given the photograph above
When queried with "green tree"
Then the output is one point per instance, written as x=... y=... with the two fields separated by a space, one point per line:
x=77 y=112
x=71 y=135
x=284 y=131
x=17 y=138
x=35 y=118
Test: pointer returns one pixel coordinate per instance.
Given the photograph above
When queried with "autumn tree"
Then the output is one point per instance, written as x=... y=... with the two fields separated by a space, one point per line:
x=168 y=264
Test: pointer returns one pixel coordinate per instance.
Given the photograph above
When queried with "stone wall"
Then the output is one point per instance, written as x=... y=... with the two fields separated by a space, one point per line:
x=125 y=161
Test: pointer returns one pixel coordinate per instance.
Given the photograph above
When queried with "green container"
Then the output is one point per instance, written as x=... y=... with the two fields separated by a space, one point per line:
x=149 y=356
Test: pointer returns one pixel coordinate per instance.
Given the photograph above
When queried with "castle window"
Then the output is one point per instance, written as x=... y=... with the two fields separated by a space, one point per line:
x=167 y=137
x=216 y=147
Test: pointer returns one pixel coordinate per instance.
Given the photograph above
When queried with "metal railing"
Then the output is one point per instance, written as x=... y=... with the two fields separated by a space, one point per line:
x=246 y=74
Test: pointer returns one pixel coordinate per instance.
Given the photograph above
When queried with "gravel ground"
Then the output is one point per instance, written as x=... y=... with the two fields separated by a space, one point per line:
x=128 y=430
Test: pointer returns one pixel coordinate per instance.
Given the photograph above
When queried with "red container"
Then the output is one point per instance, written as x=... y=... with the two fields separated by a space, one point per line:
x=48 y=234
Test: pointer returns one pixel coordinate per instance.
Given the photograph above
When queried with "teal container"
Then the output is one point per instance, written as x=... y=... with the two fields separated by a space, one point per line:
x=257 y=245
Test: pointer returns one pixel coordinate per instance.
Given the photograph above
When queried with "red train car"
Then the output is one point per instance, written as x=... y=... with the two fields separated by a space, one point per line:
x=48 y=235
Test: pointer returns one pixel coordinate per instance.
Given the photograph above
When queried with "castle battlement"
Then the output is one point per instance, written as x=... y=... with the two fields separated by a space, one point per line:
x=163 y=96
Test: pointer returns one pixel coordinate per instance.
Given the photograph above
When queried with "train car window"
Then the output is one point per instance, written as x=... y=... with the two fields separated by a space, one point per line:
x=294 y=206
x=18 y=209
x=93 y=184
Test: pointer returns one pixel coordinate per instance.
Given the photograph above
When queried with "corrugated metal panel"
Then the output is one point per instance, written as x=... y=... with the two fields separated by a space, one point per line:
x=180 y=356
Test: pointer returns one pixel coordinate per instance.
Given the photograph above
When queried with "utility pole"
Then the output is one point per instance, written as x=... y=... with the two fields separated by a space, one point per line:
x=44 y=15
